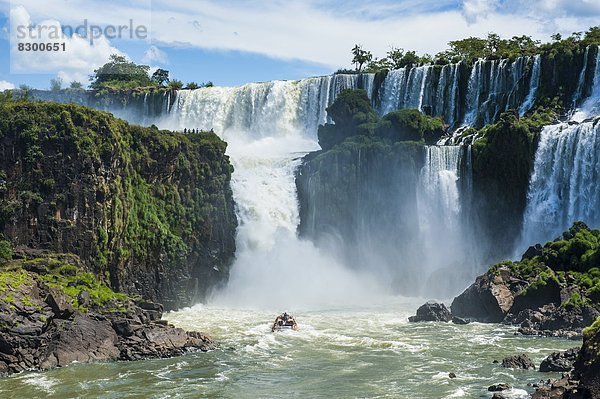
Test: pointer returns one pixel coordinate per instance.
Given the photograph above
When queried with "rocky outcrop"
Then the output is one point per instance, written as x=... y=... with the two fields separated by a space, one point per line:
x=560 y=361
x=59 y=315
x=553 y=291
x=489 y=299
x=587 y=365
x=149 y=211
x=521 y=361
x=432 y=311
x=499 y=387
x=361 y=197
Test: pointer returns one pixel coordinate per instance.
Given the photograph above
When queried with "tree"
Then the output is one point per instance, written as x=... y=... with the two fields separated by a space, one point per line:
x=75 y=85
x=394 y=57
x=160 y=77
x=468 y=49
x=557 y=37
x=176 y=84
x=192 y=86
x=361 y=57
x=56 y=84
x=120 y=74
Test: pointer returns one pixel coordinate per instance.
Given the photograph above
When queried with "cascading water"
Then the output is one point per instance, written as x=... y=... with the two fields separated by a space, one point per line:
x=420 y=87
x=268 y=127
x=534 y=83
x=564 y=185
x=498 y=85
x=441 y=217
x=493 y=87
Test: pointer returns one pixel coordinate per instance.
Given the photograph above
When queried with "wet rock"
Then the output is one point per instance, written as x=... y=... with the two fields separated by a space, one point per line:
x=532 y=252
x=432 y=311
x=560 y=361
x=451 y=375
x=499 y=387
x=559 y=389
x=587 y=365
x=489 y=299
x=460 y=320
x=60 y=304
x=521 y=361
x=49 y=332
x=498 y=396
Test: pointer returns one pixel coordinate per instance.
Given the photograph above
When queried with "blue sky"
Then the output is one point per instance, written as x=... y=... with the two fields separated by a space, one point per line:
x=238 y=41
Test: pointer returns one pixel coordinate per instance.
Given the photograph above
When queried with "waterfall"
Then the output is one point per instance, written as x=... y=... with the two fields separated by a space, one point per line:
x=564 y=184
x=497 y=86
x=268 y=127
x=426 y=88
x=534 y=82
x=444 y=185
x=439 y=199
x=579 y=92
x=264 y=109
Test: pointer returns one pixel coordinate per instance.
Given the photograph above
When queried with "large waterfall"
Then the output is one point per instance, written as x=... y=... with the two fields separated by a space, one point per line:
x=564 y=185
x=268 y=127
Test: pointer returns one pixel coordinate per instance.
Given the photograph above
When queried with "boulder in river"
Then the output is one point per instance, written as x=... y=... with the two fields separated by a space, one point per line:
x=499 y=387
x=560 y=361
x=432 y=311
x=521 y=361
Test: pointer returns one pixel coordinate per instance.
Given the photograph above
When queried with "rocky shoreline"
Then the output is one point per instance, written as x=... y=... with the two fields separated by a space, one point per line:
x=53 y=314
x=554 y=292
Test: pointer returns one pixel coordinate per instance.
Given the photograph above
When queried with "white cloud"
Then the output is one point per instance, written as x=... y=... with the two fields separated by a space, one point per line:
x=4 y=85
x=475 y=9
x=322 y=31
x=154 y=54
x=76 y=62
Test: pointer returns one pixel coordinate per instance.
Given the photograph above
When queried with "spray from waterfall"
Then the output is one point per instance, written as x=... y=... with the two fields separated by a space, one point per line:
x=268 y=128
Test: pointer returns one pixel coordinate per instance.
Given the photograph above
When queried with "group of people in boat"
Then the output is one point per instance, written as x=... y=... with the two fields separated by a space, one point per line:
x=285 y=321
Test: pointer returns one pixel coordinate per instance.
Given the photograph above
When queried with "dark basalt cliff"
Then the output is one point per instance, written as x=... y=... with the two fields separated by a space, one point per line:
x=148 y=211
x=53 y=313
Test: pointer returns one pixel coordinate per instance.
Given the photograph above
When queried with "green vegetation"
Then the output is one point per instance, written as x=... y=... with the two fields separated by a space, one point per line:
x=353 y=115
x=160 y=77
x=64 y=273
x=56 y=84
x=472 y=48
x=165 y=197
x=6 y=251
x=120 y=74
x=572 y=259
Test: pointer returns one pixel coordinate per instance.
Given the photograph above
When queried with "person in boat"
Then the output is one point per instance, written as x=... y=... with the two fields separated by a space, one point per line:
x=285 y=320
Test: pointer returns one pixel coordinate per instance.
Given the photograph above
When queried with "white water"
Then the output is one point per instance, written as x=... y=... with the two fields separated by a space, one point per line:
x=268 y=128
x=447 y=244
x=564 y=185
x=534 y=83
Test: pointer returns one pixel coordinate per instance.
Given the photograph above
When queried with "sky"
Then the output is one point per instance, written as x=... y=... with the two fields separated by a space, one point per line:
x=239 y=41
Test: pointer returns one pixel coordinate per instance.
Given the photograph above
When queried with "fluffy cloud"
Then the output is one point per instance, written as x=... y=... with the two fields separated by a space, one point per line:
x=154 y=54
x=318 y=31
x=475 y=9
x=75 y=63
x=4 y=85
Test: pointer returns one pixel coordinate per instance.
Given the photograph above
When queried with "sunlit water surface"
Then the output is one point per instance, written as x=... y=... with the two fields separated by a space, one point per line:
x=368 y=352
